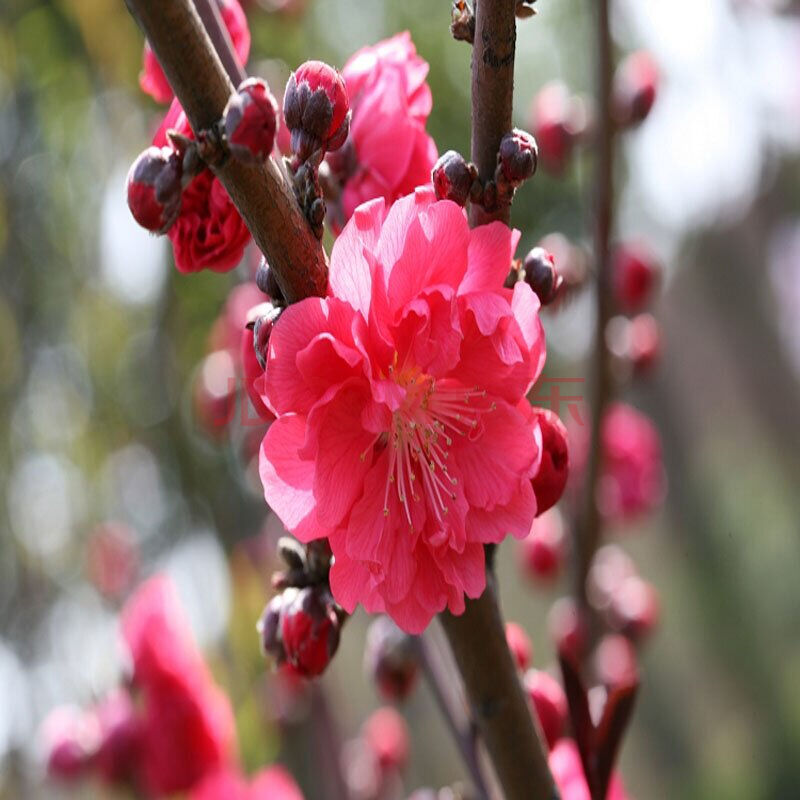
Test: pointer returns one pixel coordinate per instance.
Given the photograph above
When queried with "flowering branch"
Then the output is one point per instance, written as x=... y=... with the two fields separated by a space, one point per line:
x=587 y=530
x=264 y=198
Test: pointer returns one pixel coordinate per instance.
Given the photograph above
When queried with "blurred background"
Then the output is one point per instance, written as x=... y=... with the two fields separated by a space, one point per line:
x=107 y=472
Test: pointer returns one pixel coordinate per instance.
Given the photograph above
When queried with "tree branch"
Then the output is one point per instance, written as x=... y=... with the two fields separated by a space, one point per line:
x=499 y=706
x=588 y=527
x=264 y=199
x=492 y=91
x=211 y=17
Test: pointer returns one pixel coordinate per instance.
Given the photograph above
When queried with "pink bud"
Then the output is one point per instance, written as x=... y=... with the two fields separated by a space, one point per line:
x=519 y=644
x=214 y=393
x=154 y=188
x=550 y=480
x=386 y=734
x=635 y=608
x=120 y=737
x=615 y=661
x=453 y=178
x=251 y=120
x=310 y=631
x=518 y=156
x=390 y=659
x=71 y=738
x=568 y=628
x=542 y=550
x=316 y=109
x=541 y=274
x=556 y=124
x=644 y=347
x=635 y=88
x=636 y=273
x=549 y=701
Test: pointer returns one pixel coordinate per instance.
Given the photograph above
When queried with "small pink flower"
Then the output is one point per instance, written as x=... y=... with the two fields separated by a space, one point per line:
x=187 y=725
x=402 y=433
x=388 y=153
x=273 y=783
x=632 y=475
x=565 y=764
x=152 y=79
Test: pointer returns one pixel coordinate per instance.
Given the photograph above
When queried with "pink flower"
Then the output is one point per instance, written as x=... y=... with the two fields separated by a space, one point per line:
x=401 y=433
x=152 y=79
x=273 y=783
x=388 y=153
x=565 y=764
x=632 y=477
x=208 y=233
x=187 y=721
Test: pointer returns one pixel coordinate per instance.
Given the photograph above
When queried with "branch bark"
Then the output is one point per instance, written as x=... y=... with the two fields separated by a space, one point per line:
x=588 y=527
x=492 y=91
x=264 y=199
x=498 y=703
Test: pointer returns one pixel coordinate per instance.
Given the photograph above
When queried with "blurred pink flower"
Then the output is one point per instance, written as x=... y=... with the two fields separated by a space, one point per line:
x=632 y=476
x=565 y=764
x=187 y=721
x=400 y=433
x=388 y=153
x=273 y=783
x=152 y=79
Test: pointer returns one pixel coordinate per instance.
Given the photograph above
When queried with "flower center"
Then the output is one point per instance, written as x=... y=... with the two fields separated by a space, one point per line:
x=422 y=431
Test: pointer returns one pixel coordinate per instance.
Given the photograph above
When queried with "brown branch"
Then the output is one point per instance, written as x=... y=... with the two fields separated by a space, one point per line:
x=499 y=706
x=264 y=199
x=221 y=39
x=492 y=91
x=588 y=527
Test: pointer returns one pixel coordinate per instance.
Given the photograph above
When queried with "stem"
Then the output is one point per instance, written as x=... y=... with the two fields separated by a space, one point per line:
x=492 y=92
x=499 y=706
x=221 y=39
x=588 y=527
x=328 y=744
x=264 y=199
x=462 y=734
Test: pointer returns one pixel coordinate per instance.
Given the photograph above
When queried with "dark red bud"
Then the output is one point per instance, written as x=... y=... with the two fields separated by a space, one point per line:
x=568 y=628
x=518 y=156
x=541 y=275
x=251 y=121
x=267 y=283
x=549 y=701
x=556 y=120
x=390 y=659
x=316 y=109
x=636 y=273
x=550 y=480
x=154 y=188
x=635 y=89
x=71 y=740
x=453 y=178
x=120 y=737
x=310 y=631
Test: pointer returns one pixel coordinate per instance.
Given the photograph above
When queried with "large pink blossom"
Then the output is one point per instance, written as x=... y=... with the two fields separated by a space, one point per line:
x=565 y=764
x=400 y=433
x=152 y=79
x=388 y=153
x=187 y=725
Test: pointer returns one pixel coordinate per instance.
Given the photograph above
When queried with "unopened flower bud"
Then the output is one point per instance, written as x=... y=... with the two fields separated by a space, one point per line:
x=549 y=701
x=251 y=121
x=71 y=738
x=154 y=188
x=645 y=342
x=310 y=631
x=542 y=550
x=518 y=156
x=386 y=734
x=635 y=88
x=120 y=737
x=267 y=283
x=316 y=109
x=519 y=644
x=568 y=628
x=636 y=273
x=453 y=178
x=390 y=659
x=615 y=661
x=634 y=608
x=214 y=392
x=269 y=626
x=541 y=274
x=264 y=317
x=550 y=480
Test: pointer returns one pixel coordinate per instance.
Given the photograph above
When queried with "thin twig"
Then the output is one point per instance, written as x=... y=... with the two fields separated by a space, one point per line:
x=221 y=39
x=462 y=732
x=263 y=197
x=588 y=527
